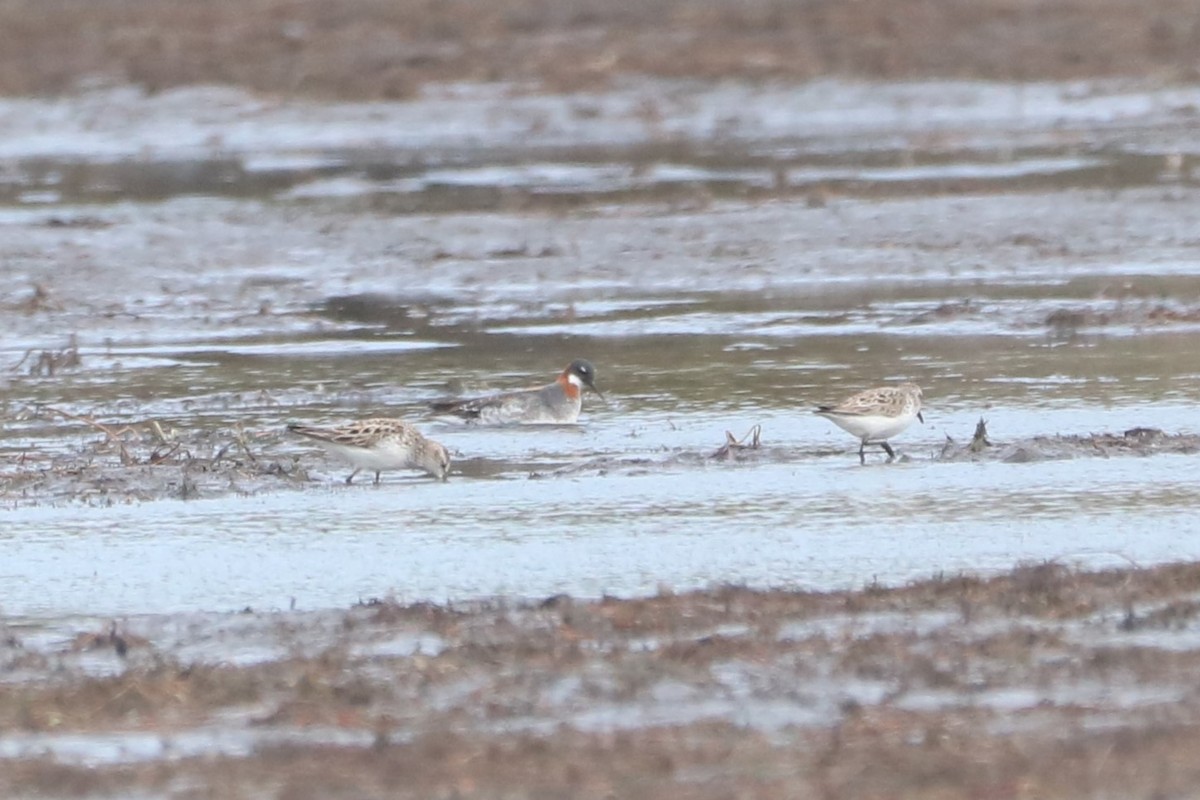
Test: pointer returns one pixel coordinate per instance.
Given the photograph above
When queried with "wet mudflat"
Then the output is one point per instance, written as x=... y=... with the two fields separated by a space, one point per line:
x=194 y=602
x=1039 y=682
x=1064 y=318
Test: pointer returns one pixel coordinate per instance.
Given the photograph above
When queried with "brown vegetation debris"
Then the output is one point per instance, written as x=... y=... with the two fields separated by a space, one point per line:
x=383 y=49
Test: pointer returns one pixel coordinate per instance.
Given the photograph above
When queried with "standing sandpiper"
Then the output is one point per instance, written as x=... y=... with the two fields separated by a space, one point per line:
x=876 y=415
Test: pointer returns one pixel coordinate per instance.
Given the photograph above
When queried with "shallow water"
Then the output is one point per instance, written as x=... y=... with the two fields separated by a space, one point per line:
x=821 y=524
x=1022 y=294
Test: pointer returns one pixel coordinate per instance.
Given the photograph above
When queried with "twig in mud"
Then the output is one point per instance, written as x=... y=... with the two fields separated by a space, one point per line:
x=979 y=442
x=947 y=447
x=732 y=443
x=160 y=434
x=114 y=638
x=220 y=454
x=167 y=446
x=40 y=300
x=159 y=455
x=239 y=434
x=980 y=439
x=49 y=362
x=187 y=486
x=24 y=358
x=127 y=460
x=239 y=441
x=265 y=398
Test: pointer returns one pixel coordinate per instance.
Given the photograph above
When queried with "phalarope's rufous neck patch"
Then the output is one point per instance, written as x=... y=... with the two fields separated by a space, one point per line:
x=556 y=403
x=379 y=444
x=876 y=415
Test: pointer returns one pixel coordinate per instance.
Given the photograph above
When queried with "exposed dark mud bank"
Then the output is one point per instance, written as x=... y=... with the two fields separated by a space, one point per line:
x=1133 y=442
x=384 y=49
x=1044 y=681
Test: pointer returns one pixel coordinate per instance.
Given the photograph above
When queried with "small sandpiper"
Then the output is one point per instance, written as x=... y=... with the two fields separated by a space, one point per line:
x=876 y=415
x=379 y=444
x=558 y=403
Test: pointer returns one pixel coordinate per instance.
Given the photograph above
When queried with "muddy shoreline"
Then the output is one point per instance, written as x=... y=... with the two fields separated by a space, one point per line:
x=390 y=50
x=123 y=464
x=1043 y=681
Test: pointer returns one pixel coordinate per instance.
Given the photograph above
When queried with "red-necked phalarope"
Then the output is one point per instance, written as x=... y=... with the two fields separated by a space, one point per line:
x=557 y=403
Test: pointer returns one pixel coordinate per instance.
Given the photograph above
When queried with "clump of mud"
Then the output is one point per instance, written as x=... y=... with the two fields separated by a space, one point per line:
x=1140 y=441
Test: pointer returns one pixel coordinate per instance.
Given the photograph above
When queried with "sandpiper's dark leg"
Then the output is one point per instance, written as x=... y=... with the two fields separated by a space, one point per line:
x=351 y=477
x=376 y=476
x=862 y=456
x=891 y=453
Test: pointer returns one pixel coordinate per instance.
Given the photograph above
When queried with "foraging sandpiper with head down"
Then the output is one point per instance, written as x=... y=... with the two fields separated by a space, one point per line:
x=558 y=403
x=379 y=444
x=876 y=415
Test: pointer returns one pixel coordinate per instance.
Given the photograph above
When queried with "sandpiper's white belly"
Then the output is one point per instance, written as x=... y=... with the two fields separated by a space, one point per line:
x=872 y=427
x=382 y=455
